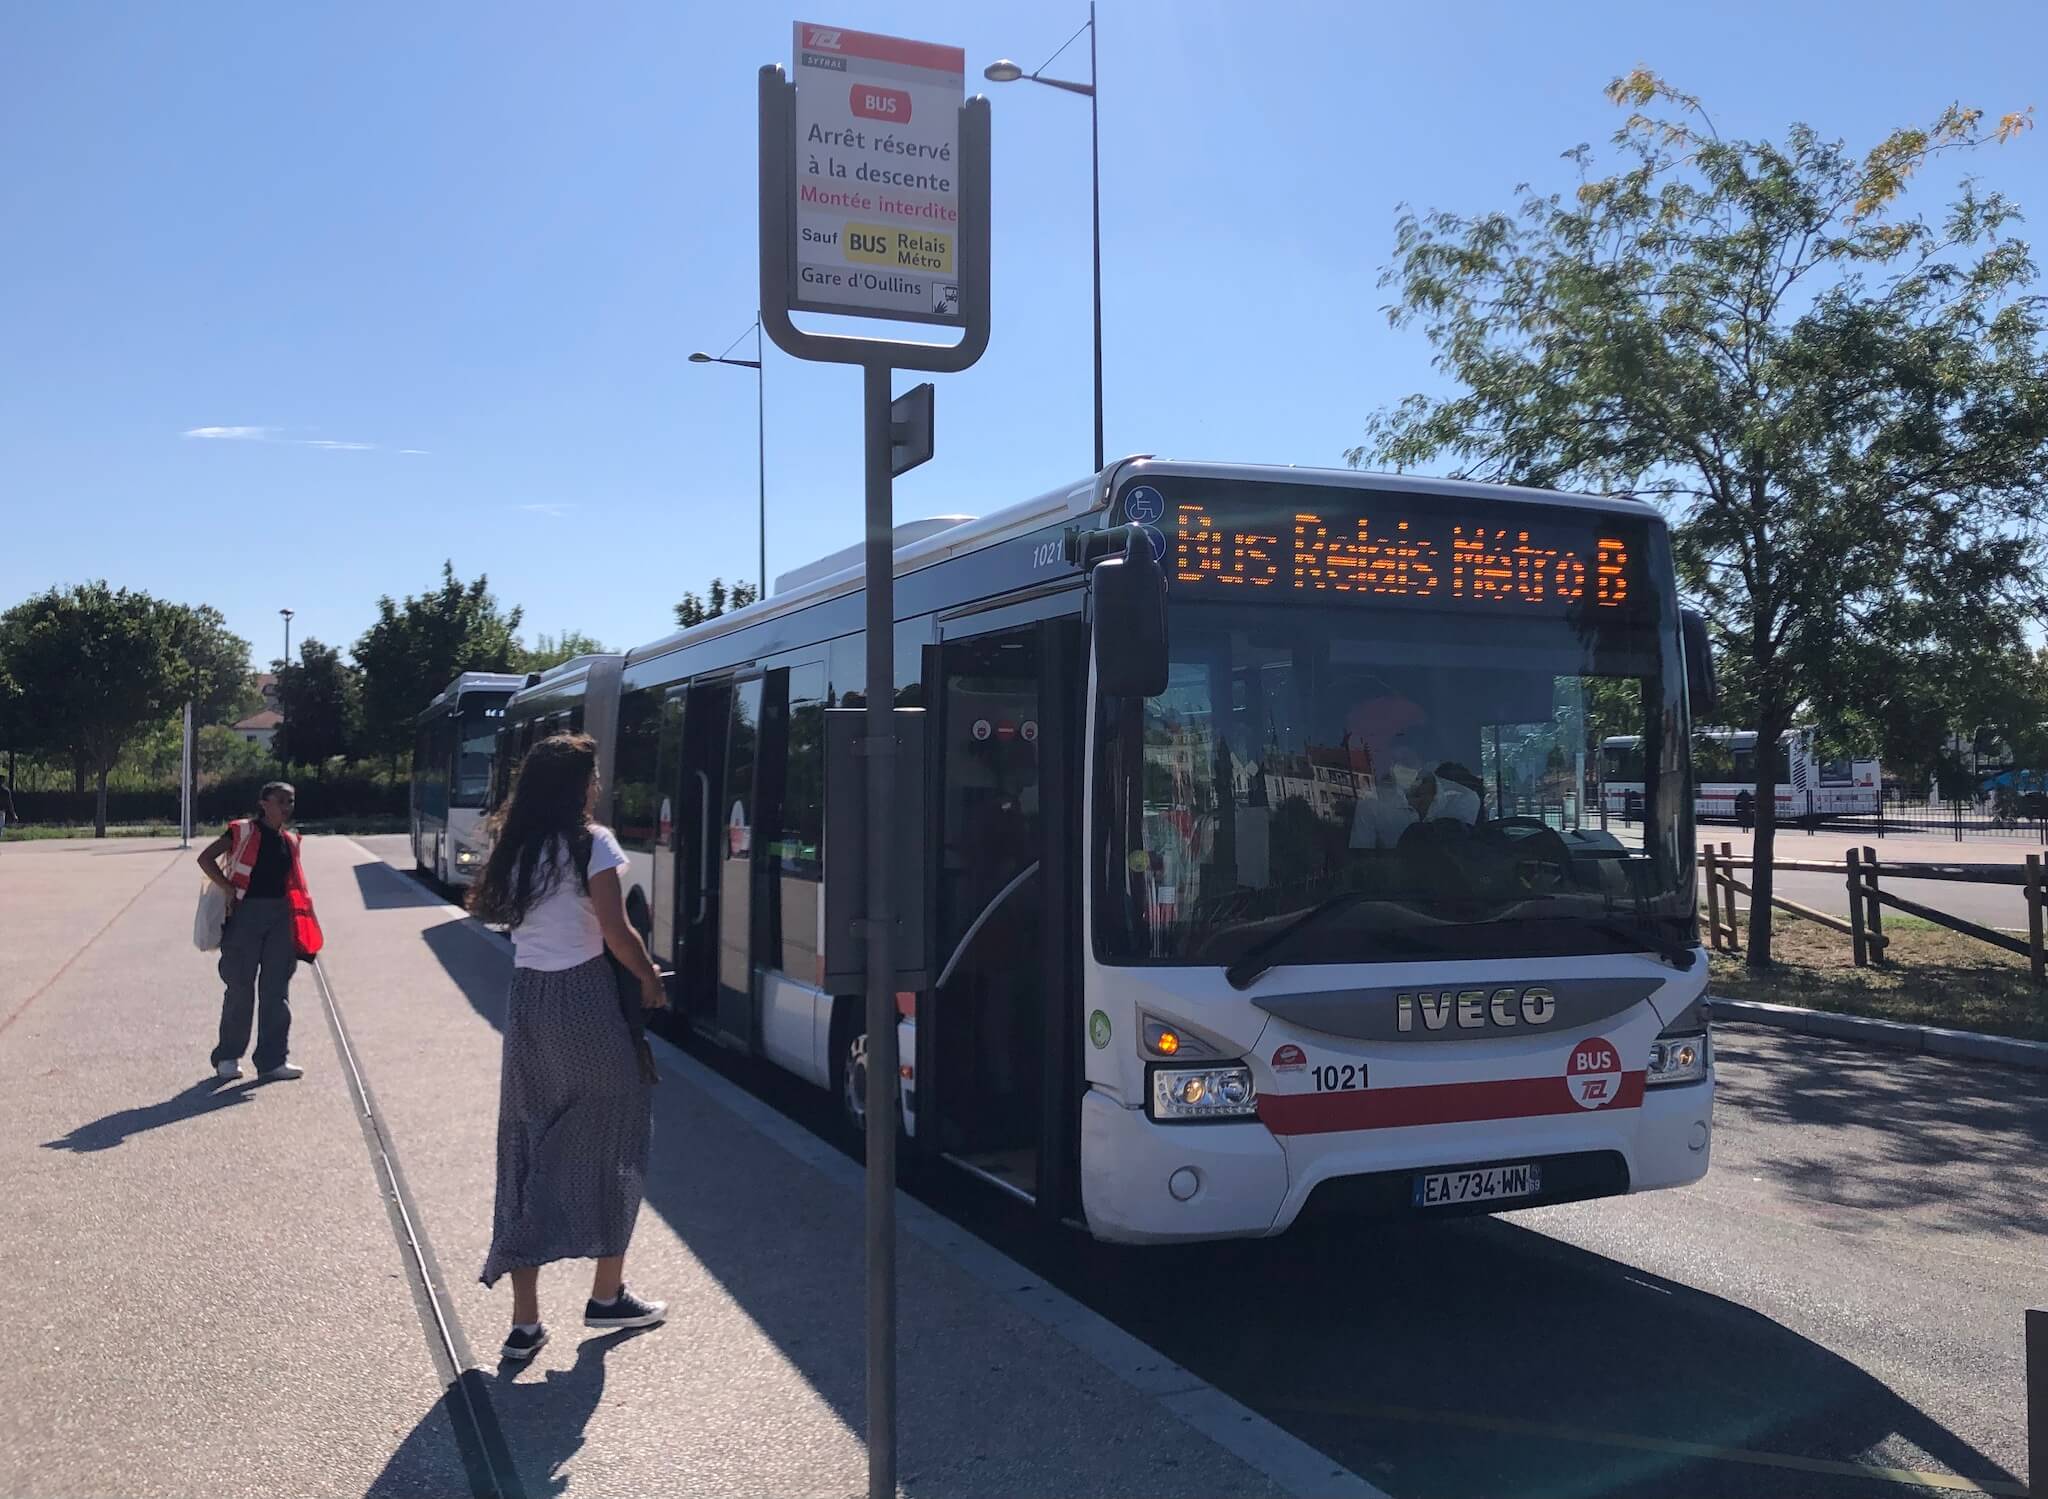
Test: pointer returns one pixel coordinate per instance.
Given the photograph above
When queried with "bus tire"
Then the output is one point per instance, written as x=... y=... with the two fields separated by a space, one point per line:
x=849 y=1053
x=849 y=1081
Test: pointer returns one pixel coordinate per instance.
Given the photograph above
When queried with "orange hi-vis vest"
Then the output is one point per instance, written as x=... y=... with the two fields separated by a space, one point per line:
x=248 y=842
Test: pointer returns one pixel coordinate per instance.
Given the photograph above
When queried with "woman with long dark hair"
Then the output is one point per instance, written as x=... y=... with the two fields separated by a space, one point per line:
x=573 y=1107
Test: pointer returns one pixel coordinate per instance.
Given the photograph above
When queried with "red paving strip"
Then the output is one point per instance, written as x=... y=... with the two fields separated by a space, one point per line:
x=65 y=967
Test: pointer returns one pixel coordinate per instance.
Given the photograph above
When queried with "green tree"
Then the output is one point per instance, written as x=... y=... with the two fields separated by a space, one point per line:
x=416 y=648
x=320 y=699
x=693 y=610
x=553 y=650
x=105 y=666
x=227 y=756
x=1843 y=408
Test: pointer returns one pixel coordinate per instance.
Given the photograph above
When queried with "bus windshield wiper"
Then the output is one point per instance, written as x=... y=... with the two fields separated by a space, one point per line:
x=1257 y=958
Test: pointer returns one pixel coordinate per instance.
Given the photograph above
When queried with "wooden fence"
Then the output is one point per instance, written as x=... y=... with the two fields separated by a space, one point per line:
x=1868 y=898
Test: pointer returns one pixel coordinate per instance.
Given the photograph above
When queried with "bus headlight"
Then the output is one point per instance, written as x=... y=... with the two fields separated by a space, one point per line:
x=467 y=857
x=1677 y=1059
x=1181 y=1093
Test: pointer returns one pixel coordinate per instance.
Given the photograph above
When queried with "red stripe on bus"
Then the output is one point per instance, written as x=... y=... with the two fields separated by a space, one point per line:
x=1434 y=1103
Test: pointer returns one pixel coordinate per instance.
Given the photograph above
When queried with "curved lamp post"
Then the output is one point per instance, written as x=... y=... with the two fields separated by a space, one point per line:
x=1005 y=71
x=760 y=433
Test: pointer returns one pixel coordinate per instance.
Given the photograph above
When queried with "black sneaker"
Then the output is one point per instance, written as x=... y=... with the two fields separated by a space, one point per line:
x=626 y=1310
x=521 y=1345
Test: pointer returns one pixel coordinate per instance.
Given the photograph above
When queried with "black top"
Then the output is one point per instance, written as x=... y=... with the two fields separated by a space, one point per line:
x=273 y=865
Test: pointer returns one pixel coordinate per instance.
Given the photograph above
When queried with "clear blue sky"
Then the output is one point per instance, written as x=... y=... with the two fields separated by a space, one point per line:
x=447 y=263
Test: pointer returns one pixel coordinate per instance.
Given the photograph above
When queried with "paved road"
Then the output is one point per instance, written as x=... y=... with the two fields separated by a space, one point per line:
x=1836 y=1310
x=1990 y=905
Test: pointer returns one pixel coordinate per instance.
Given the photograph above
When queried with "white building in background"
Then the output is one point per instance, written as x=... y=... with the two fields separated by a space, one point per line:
x=260 y=727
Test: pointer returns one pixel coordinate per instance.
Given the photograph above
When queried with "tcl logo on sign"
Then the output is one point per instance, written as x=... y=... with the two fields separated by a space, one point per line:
x=822 y=38
x=881 y=103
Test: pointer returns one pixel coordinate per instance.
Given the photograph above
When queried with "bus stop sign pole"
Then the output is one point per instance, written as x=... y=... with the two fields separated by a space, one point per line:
x=878 y=359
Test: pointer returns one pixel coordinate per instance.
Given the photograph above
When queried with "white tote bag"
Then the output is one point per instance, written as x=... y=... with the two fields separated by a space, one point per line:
x=210 y=918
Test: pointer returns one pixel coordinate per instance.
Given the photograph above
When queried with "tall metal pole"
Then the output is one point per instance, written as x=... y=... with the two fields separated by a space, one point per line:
x=185 y=779
x=761 y=448
x=283 y=717
x=1095 y=162
x=880 y=747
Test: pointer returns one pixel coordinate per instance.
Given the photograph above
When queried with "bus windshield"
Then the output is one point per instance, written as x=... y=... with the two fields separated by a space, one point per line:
x=1423 y=780
x=476 y=744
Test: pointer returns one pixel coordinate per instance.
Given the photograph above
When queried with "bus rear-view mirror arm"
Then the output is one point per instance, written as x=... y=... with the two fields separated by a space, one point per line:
x=1701 y=690
x=1130 y=620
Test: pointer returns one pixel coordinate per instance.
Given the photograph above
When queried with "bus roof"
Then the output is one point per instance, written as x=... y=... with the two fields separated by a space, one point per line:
x=924 y=543
x=474 y=681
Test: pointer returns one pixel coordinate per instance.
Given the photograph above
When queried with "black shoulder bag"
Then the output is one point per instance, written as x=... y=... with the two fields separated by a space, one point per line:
x=628 y=989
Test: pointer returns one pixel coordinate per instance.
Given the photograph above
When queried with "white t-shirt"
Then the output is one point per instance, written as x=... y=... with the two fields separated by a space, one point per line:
x=1379 y=821
x=561 y=930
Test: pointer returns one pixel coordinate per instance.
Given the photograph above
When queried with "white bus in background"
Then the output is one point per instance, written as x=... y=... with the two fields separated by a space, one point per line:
x=1809 y=788
x=1274 y=940
x=454 y=746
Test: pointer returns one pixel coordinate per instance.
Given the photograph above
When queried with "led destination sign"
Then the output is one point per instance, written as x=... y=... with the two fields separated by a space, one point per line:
x=1399 y=552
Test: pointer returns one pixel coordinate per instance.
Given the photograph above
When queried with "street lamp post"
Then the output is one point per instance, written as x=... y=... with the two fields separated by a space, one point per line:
x=1005 y=71
x=283 y=722
x=760 y=433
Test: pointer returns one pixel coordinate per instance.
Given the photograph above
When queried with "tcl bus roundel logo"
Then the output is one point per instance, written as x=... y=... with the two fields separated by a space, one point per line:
x=1593 y=1074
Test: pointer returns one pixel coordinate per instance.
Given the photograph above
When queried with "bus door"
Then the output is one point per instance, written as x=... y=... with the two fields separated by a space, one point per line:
x=670 y=794
x=994 y=1067
x=700 y=837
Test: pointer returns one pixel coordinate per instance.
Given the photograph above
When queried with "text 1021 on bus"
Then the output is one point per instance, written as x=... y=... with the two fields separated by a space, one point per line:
x=1276 y=895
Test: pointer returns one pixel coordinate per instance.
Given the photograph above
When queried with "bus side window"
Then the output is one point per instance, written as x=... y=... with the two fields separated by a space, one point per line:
x=798 y=865
x=632 y=791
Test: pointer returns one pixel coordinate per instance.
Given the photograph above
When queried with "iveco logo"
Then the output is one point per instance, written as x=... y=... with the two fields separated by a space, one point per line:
x=1474 y=1009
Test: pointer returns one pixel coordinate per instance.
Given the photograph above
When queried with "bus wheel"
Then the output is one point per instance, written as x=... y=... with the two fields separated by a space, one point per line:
x=851 y=1085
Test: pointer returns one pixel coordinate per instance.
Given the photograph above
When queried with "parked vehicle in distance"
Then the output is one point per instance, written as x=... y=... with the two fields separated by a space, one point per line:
x=454 y=751
x=1809 y=788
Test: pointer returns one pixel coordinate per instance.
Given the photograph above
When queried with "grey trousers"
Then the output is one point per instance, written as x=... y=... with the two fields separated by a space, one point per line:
x=257 y=959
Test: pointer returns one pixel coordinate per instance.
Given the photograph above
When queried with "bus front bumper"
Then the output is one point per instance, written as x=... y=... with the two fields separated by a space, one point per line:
x=1143 y=1182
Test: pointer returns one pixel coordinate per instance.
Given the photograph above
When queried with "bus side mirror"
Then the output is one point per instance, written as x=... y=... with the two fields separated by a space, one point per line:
x=1701 y=691
x=1130 y=621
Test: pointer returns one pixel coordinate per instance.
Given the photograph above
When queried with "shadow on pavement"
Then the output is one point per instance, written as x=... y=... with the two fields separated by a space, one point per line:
x=203 y=1097
x=1480 y=1356
x=1448 y=1359
x=1892 y=1128
x=545 y=1415
x=384 y=888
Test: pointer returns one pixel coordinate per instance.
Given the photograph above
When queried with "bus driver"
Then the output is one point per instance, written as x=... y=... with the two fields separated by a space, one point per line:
x=1411 y=785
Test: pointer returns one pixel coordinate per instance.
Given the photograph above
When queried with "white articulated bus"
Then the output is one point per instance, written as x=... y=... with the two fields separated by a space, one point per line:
x=453 y=751
x=1273 y=939
x=1809 y=787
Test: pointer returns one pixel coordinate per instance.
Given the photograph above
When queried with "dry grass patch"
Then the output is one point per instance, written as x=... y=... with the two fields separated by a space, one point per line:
x=1932 y=976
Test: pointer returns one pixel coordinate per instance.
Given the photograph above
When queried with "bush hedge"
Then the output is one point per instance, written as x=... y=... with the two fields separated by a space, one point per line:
x=318 y=801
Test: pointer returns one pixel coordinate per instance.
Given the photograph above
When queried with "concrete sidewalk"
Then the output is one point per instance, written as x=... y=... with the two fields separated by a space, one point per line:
x=202 y=1289
x=257 y=1330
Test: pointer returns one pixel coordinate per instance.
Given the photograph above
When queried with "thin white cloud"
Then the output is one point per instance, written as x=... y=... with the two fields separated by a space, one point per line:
x=269 y=434
x=548 y=509
x=413 y=452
